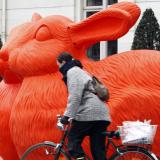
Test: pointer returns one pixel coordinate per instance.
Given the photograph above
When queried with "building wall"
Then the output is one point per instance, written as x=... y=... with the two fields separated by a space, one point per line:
x=0 y=17
x=20 y=11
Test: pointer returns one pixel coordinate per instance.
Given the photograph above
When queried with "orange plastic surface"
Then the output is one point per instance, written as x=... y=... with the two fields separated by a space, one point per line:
x=32 y=92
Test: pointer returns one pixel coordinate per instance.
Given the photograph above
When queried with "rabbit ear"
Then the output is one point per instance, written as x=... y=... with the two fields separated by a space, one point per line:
x=109 y=24
x=36 y=17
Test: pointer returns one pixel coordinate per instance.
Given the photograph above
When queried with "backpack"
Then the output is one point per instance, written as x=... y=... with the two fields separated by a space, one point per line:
x=100 y=90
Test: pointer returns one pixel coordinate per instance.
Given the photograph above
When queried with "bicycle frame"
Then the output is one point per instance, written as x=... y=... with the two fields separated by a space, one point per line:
x=56 y=149
x=60 y=145
x=116 y=148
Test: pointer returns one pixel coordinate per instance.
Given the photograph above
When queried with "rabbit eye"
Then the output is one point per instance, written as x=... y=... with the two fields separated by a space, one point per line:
x=43 y=34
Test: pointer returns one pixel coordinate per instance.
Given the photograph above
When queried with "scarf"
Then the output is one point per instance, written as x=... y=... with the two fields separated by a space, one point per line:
x=67 y=66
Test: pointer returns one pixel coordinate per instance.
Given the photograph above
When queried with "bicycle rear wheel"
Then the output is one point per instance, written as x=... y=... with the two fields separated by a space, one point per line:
x=133 y=153
x=44 y=151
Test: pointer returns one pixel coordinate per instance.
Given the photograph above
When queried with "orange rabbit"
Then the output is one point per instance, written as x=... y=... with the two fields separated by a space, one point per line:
x=9 y=88
x=30 y=54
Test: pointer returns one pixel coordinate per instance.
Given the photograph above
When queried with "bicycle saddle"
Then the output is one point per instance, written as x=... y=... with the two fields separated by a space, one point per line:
x=112 y=134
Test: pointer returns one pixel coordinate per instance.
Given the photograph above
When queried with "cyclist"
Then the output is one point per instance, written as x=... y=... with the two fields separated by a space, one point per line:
x=90 y=115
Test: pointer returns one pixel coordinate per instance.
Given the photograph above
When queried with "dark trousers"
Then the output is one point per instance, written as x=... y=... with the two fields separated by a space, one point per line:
x=79 y=130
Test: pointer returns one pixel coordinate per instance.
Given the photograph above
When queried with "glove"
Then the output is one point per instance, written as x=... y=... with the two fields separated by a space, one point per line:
x=64 y=120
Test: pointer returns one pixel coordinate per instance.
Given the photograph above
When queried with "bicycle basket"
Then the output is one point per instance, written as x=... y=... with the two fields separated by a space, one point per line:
x=137 y=134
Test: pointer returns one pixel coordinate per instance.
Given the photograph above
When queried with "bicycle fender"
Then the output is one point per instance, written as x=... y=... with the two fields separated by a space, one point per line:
x=50 y=143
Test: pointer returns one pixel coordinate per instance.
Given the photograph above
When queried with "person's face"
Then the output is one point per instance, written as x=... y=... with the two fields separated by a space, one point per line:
x=60 y=64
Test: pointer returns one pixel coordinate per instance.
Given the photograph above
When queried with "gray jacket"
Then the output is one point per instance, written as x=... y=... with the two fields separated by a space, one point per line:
x=82 y=104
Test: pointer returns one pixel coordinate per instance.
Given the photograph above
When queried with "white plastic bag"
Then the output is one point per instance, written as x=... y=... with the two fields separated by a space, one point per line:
x=136 y=132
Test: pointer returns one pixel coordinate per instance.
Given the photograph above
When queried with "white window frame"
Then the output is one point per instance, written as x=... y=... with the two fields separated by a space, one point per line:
x=80 y=13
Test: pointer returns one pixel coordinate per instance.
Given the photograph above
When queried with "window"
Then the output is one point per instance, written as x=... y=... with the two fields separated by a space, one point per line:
x=94 y=3
x=112 y=2
x=102 y=49
x=94 y=51
x=112 y=47
x=89 y=13
x=91 y=7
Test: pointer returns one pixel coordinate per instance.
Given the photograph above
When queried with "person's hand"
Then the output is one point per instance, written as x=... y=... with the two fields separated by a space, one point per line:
x=64 y=120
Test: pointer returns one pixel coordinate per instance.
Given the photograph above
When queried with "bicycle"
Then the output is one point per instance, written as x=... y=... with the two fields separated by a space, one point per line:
x=58 y=151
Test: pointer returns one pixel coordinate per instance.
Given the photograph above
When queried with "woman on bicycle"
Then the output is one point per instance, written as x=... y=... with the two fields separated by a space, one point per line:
x=90 y=114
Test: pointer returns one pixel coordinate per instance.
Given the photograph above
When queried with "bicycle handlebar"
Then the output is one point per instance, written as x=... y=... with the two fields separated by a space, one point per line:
x=59 y=124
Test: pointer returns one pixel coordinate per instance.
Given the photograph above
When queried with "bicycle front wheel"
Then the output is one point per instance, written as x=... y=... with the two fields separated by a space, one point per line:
x=133 y=153
x=44 y=151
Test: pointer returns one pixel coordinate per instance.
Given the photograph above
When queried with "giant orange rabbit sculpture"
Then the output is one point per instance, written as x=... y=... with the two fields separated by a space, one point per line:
x=31 y=52
x=8 y=90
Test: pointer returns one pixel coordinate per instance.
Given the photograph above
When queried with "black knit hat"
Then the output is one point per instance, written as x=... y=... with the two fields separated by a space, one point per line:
x=64 y=56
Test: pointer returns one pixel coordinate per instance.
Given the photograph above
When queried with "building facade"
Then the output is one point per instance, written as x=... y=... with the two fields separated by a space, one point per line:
x=14 y=12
